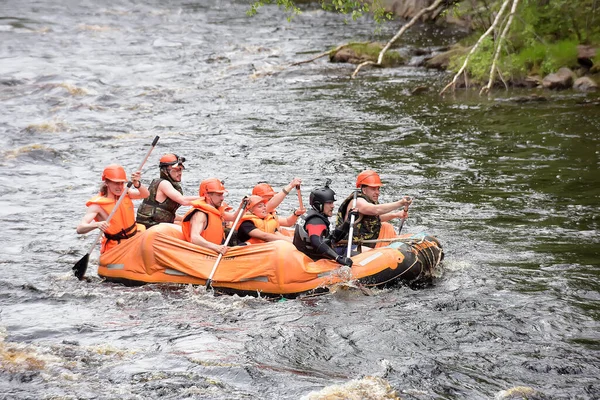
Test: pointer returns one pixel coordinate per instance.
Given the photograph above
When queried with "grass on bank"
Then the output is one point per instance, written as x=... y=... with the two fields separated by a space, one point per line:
x=537 y=59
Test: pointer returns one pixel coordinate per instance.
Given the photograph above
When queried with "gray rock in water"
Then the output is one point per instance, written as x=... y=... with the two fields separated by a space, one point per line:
x=562 y=79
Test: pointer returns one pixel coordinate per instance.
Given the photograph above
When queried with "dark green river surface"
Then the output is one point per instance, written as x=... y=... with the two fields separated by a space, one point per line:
x=510 y=188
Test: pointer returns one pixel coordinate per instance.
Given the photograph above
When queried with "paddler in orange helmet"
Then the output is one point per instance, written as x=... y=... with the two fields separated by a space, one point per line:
x=203 y=224
x=372 y=215
x=273 y=198
x=122 y=225
x=257 y=225
x=166 y=194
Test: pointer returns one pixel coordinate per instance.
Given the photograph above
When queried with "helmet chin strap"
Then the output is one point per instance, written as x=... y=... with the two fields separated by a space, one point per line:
x=212 y=203
x=210 y=200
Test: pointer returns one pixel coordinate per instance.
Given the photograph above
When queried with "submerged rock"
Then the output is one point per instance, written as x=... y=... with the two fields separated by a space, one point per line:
x=442 y=60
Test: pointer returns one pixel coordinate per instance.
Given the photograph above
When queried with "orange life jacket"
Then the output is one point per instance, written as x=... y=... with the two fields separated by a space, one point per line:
x=269 y=224
x=122 y=223
x=214 y=231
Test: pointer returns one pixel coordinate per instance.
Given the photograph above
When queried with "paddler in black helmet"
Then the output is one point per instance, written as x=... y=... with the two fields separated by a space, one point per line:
x=313 y=236
x=166 y=194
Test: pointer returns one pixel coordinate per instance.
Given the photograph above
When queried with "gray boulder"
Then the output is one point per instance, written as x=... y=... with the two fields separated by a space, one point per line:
x=562 y=79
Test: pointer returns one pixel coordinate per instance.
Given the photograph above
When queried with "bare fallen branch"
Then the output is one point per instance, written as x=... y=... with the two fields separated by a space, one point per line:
x=476 y=46
x=396 y=36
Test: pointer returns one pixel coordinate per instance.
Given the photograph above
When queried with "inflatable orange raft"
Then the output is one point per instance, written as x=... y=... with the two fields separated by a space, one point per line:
x=160 y=255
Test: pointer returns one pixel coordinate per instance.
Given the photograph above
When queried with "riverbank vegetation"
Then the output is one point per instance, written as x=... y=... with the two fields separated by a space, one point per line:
x=510 y=42
x=534 y=39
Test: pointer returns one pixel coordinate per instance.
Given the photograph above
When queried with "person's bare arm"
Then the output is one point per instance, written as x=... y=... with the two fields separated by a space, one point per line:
x=276 y=200
x=291 y=220
x=139 y=192
x=167 y=189
x=88 y=224
x=397 y=214
x=198 y=224
x=366 y=208
x=268 y=237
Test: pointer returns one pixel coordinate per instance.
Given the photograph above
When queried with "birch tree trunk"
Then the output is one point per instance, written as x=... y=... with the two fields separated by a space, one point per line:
x=476 y=46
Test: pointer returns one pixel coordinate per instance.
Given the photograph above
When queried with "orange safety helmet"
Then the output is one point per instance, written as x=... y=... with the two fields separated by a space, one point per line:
x=368 y=178
x=171 y=159
x=211 y=185
x=263 y=189
x=254 y=200
x=114 y=173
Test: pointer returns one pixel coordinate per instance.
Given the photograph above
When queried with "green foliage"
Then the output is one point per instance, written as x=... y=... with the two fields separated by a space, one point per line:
x=542 y=59
x=563 y=19
x=536 y=59
x=560 y=54
x=480 y=62
x=354 y=8
x=289 y=6
x=530 y=59
x=543 y=37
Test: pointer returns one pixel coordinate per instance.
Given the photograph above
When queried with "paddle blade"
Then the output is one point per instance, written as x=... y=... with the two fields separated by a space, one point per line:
x=81 y=266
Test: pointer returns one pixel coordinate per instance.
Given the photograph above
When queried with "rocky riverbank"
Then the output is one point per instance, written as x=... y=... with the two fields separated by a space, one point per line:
x=581 y=73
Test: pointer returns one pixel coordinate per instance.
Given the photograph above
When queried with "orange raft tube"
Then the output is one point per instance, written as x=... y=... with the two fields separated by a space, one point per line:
x=160 y=255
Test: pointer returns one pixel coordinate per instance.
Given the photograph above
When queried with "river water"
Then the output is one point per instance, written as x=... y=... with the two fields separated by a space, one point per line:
x=510 y=187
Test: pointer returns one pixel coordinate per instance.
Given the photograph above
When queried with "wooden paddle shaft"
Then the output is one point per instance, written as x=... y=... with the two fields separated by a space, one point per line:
x=299 y=197
x=220 y=256
x=351 y=230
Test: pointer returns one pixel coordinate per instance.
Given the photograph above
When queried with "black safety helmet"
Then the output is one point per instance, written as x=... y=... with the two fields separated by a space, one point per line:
x=318 y=197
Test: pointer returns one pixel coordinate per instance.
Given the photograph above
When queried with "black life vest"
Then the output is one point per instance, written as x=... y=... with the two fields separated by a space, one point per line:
x=301 y=238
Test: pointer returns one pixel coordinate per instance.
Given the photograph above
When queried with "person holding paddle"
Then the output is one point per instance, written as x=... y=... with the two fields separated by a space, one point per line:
x=372 y=216
x=166 y=194
x=274 y=199
x=257 y=225
x=313 y=236
x=122 y=225
x=203 y=224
